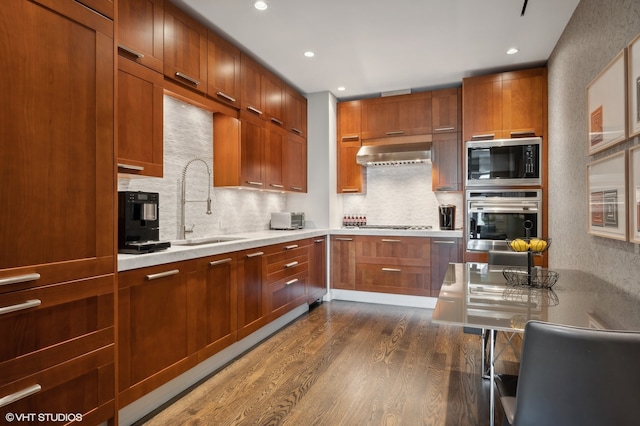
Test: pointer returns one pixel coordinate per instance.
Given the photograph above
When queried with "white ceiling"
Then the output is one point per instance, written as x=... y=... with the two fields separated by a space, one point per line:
x=373 y=46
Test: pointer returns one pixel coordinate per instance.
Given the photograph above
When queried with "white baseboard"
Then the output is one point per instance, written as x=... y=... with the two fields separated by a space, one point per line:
x=151 y=401
x=383 y=298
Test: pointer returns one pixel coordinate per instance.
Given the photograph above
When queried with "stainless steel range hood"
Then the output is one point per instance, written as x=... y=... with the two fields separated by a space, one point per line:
x=394 y=154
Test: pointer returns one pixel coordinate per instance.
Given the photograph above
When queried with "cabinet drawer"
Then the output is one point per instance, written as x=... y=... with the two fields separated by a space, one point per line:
x=393 y=250
x=391 y=278
x=286 y=294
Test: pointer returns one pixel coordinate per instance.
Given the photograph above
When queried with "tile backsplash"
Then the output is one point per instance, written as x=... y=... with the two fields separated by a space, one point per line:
x=188 y=132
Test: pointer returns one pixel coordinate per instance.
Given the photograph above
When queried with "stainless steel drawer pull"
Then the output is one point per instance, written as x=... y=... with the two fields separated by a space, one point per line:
x=220 y=262
x=291 y=265
x=344 y=239
x=275 y=120
x=189 y=79
x=254 y=110
x=444 y=129
x=293 y=281
x=296 y=130
x=10 y=399
x=131 y=51
x=296 y=188
x=252 y=182
x=256 y=254
x=227 y=97
x=275 y=185
x=391 y=270
x=443 y=242
x=19 y=279
x=130 y=167
x=162 y=274
x=395 y=132
x=291 y=247
x=319 y=241
x=351 y=138
x=529 y=133
x=482 y=137
x=20 y=307
x=387 y=240
x=350 y=190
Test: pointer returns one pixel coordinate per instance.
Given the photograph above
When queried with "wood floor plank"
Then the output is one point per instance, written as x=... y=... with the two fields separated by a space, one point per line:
x=346 y=363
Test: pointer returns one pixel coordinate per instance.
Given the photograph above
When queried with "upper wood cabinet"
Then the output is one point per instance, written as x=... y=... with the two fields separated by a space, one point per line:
x=294 y=163
x=505 y=105
x=446 y=162
x=351 y=176
x=295 y=112
x=446 y=110
x=273 y=94
x=140 y=32
x=223 y=78
x=140 y=120
x=392 y=116
x=274 y=146
x=263 y=94
x=185 y=48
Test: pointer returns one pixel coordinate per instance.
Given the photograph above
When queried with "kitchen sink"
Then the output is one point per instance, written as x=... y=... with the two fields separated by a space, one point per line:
x=205 y=240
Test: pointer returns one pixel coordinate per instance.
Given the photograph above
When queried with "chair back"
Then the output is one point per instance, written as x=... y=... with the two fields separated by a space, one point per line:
x=578 y=376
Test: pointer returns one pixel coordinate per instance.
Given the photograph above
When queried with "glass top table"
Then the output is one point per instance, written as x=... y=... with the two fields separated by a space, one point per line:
x=477 y=295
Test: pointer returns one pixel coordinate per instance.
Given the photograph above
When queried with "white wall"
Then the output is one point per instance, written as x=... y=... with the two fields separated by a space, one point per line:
x=597 y=32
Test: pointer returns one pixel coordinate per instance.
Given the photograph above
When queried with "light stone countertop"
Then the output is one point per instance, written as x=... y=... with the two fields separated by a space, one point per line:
x=249 y=240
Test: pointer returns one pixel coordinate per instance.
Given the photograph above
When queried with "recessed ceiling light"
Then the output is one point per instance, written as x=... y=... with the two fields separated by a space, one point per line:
x=309 y=54
x=512 y=51
x=260 y=5
x=342 y=89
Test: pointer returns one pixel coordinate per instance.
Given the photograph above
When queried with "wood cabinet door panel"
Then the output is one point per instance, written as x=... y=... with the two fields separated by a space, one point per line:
x=140 y=32
x=343 y=262
x=351 y=175
x=223 y=70
x=253 y=140
x=252 y=300
x=295 y=163
x=251 y=86
x=286 y=294
x=446 y=110
x=274 y=157
x=273 y=98
x=57 y=163
x=523 y=99
x=349 y=121
x=392 y=278
x=482 y=107
x=295 y=112
x=393 y=250
x=446 y=162
x=403 y=115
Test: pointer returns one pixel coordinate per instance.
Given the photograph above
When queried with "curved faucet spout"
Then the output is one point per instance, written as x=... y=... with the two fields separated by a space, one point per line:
x=183 y=228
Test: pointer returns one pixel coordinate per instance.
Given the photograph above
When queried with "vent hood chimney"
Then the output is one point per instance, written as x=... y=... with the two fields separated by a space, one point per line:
x=394 y=154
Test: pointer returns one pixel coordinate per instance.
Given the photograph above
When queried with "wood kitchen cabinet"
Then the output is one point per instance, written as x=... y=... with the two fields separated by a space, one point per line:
x=295 y=112
x=446 y=110
x=393 y=116
x=141 y=32
x=343 y=262
x=446 y=162
x=185 y=48
x=294 y=163
x=317 y=285
x=287 y=273
x=351 y=176
x=505 y=105
x=275 y=142
x=393 y=264
x=140 y=120
x=263 y=94
x=443 y=251
x=223 y=78
x=252 y=296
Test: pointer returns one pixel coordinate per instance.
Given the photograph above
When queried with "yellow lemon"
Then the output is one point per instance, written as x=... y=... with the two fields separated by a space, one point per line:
x=519 y=245
x=538 y=245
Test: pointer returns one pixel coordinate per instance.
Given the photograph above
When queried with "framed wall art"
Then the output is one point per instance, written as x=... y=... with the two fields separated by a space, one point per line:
x=633 y=59
x=634 y=194
x=607 y=196
x=607 y=106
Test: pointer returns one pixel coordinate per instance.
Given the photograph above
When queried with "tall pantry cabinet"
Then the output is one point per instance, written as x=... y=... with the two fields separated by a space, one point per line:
x=57 y=197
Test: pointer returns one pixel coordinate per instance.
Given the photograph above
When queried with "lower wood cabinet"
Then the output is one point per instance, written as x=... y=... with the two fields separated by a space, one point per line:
x=343 y=262
x=252 y=300
x=287 y=273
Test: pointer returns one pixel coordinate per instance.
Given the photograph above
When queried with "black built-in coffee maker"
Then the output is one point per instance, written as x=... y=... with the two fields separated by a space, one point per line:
x=139 y=223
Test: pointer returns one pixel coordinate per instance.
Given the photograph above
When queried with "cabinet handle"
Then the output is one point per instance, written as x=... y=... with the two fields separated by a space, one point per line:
x=291 y=247
x=523 y=134
x=10 y=399
x=386 y=240
x=20 y=307
x=256 y=254
x=319 y=241
x=296 y=188
x=254 y=110
x=395 y=132
x=254 y=183
x=293 y=281
x=291 y=265
x=131 y=51
x=443 y=242
x=186 y=77
x=344 y=239
x=350 y=190
x=446 y=188
x=130 y=167
x=275 y=185
x=220 y=262
x=483 y=137
x=275 y=120
x=391 y=270
x=227 y=97
x=444 y=129
x=19 y=279
x=296 y=130
x=162 y=274
x=351 y=138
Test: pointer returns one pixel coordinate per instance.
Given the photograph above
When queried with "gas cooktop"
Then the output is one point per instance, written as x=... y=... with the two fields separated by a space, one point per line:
x=401 y=227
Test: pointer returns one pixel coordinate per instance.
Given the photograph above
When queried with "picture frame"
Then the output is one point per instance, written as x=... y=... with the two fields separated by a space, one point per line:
x=634 y=194
x=633 y=83
x=607 y=196
x=607 y=106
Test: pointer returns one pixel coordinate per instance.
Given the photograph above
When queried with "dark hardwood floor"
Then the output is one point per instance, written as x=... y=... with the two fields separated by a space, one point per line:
x=347 y=363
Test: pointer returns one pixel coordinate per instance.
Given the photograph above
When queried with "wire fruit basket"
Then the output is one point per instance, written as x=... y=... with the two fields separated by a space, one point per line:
x=534 y=277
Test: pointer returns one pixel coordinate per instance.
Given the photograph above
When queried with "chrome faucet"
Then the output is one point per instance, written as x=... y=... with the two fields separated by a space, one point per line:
x=183 y=226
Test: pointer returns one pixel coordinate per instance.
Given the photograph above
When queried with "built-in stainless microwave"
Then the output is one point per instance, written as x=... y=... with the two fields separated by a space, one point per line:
x=504 y=162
